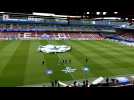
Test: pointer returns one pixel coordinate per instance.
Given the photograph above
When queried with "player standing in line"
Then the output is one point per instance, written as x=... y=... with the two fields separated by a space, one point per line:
x=43 y=62
x=86 y=60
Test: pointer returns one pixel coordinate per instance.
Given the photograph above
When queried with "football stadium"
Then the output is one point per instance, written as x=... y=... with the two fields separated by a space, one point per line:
x=50 y=50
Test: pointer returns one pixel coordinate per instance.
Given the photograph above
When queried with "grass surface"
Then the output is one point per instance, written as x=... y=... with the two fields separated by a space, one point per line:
x=21 y=64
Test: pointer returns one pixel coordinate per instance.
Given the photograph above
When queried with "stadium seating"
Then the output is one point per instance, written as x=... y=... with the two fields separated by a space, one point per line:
x=52 y=36
x=38 y=27
x=122 y=36
x=85 y=36
x=128 y=36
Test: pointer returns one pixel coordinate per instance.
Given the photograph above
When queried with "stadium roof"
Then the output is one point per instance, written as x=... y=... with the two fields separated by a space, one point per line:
x=92 y=11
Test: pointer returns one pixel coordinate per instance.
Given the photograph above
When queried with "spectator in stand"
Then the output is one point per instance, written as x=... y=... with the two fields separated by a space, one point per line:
x=113 y=81
x=117 y=82
x=52 y=83
x=86 y=83
x=79 y=84
x=56 y=83
x=107 y=81
x=75 y=83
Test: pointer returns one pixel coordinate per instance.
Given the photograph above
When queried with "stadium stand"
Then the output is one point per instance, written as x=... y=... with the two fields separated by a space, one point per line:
x=122 y=37
x=75 y=36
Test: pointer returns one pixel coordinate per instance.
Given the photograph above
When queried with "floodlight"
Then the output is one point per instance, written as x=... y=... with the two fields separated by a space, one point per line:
x=126 y=18
x=97 y=13
x=104 y=13
x=2 y=12
x=115 y=12
x=88 y=12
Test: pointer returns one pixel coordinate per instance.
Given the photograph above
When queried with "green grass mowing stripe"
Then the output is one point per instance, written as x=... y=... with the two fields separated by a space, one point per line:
x=95 y=66
x=82 y=53
x=110 y=52
x=123 y=58
x=78 y=59
x=118 y=63
x=126 y=52
x=62 y=66
x=127 y=60
x=104 y=54
x=13 y=73
x=86 y=48
x=121 y=47
x=118 y=48
x=52 y=63
x=35 y=70
x=96 y=50
x=6 y=53
x=3 y=44
x=124 y=62
x=63 y=56
x=75 y=64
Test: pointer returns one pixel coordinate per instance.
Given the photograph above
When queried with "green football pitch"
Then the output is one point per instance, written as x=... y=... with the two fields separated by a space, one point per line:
x=21 y=63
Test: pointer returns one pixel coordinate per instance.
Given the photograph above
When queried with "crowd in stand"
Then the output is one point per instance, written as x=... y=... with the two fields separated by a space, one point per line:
x=75 y=36
x=68 y=36
x=85 y=83
x=45 y=27
x=53 y=36
x=122 y=36
x=128 y=36
x=55 y=83
x=108 y=82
